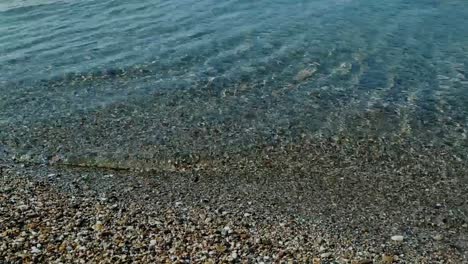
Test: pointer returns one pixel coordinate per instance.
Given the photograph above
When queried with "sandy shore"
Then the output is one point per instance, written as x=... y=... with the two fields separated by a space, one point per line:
x=358 y=210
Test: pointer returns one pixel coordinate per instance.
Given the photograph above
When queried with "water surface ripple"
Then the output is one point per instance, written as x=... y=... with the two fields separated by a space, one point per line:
x=118 y=82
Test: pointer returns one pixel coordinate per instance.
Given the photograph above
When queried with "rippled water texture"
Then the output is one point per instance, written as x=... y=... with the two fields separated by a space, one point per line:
x=139 y=83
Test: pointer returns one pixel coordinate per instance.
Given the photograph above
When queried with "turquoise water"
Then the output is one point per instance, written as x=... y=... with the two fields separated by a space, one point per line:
x=119 y=81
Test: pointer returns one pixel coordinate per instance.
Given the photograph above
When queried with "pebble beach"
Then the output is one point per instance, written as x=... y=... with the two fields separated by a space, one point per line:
x=204 y=131
x=357 y=213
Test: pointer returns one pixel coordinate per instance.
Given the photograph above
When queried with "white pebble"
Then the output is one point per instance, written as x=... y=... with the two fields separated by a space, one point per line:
x=398 y=238
x=234 y=255
x=23 y=207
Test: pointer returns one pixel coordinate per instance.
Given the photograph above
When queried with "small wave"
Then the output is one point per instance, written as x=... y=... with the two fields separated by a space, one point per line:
x=14 y=4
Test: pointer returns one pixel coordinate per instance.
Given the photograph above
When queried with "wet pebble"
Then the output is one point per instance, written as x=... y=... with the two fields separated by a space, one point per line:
x=397 y=238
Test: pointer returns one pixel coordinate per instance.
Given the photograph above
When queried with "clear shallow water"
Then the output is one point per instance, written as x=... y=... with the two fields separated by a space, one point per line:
x=120 y=81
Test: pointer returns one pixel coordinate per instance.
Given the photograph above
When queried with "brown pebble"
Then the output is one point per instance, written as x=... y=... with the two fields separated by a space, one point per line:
x=304 y=74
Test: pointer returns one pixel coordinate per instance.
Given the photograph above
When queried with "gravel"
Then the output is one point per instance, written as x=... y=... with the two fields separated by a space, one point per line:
x=369 y=211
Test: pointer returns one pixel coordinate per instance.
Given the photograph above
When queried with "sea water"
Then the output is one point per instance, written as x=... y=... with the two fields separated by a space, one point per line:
x=136 y=84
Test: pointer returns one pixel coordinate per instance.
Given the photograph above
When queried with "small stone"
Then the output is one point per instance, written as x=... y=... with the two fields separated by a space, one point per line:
x=154 y=222
x=438 y=237
x=397 y=238
x=55 y=159
x=325 y=255
x=153 y=242
x=226 y=230
x=320 y=241
x=247 y=215
x=35 y=250
x=221 y=248
x=23 y=207
x=387 y=259
x=98 y=226
x=304 y=74
x=234 y=255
